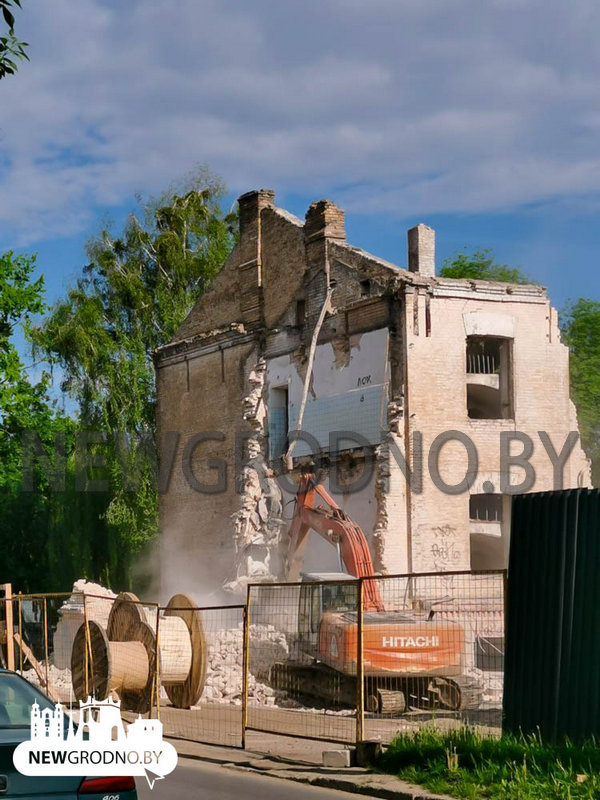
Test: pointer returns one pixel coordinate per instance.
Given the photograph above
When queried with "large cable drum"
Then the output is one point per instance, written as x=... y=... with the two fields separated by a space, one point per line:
x=123 y=659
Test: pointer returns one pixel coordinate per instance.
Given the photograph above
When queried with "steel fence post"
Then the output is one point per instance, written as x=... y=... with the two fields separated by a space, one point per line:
x=156 y=669
x=20 y=634
x=46 y=662
x=245 y=665
x=87 y=644
x=360 y=686
x=504 y=618
x=8 y=618
x=504 y=596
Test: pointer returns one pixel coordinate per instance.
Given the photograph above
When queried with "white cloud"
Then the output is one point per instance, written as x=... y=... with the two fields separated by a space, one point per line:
x=409 y=106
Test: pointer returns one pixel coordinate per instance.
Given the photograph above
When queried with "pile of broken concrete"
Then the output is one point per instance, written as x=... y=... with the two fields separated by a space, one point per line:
x=225 y=657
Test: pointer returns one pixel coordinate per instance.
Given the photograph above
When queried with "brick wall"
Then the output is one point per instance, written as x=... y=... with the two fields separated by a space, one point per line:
x=436 y=401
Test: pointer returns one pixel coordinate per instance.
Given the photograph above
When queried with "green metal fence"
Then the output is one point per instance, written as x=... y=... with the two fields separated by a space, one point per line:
x=552 y=660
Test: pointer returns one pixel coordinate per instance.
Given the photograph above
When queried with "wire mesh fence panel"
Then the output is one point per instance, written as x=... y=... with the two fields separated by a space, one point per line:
x=28 y=635
x=59 y=648
x=200 y=672
x=42 y=646
x=64 y=615
x=298 y=660
x=34 y=621
x=302 y=659
x=433 y=650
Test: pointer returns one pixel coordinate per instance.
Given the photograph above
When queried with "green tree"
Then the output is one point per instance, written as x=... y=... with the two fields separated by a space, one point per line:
x=134 y=293
x=480 y=265
x=580 y=324
x=11 y=49
x=32 y=531
x=20 y=299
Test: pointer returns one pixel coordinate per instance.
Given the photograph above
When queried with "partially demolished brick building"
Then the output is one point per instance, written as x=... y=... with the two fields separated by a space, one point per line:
x=402 y=358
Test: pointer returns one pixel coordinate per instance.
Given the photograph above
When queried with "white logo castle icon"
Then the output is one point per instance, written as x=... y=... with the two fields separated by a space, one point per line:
x=100 y=743
x=99 y=722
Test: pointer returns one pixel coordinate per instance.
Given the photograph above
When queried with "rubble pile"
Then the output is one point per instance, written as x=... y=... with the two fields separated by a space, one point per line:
x=225 y=655
x=98 y=602
x=493 y=688
x=492 y=684
x=59 y=680
x=269 y=646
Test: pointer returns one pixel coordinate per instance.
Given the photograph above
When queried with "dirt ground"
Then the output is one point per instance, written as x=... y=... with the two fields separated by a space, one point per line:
x=222 y=724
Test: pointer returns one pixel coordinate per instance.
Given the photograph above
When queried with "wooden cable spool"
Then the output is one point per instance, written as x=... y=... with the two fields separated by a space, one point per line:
x=186 y=693
x=123 y=659
x=124 y=667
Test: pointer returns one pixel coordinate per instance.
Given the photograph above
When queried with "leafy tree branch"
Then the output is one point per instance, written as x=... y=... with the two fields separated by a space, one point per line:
x=11 y=49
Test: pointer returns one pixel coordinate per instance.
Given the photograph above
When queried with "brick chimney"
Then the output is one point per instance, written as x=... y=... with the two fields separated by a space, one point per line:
x=324 y=220
x=250 y=207
x=421 y=250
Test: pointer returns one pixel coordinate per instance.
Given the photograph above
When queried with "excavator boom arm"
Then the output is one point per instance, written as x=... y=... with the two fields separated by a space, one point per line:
x=334 y=525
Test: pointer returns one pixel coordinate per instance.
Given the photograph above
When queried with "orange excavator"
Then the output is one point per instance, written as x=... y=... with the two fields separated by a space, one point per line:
x=409 y=660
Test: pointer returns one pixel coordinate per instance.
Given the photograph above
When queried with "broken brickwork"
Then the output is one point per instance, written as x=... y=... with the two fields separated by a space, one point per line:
x=400 y=354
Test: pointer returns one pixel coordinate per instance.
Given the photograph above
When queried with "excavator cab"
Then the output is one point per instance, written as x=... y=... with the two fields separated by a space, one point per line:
x=319 y=595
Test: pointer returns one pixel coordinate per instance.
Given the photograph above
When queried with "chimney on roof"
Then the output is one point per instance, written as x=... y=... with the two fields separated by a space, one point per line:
x=421 y=250
x=250 y=205
x=249 y=248
x=324 y=220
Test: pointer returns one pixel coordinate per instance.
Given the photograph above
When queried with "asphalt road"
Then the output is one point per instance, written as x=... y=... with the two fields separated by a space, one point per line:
x=195 y=779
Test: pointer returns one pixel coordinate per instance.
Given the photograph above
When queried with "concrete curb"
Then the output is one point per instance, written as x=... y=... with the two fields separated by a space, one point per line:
x=351 y=779
x=366 y=783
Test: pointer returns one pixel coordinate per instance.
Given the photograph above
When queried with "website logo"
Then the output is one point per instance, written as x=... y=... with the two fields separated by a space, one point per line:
x=99 y=745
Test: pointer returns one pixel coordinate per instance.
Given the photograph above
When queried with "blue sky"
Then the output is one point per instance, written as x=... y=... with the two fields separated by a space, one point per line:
x=480 y=119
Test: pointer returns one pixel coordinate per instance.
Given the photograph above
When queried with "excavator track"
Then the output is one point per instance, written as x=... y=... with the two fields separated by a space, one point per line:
x=459 y=693
x=315 y=681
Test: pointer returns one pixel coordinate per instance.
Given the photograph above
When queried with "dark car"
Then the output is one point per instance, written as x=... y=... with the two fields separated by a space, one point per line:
x=16 y=699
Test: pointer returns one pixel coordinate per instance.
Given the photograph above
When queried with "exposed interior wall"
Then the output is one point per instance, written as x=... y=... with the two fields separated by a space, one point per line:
x=490 y=550
x=347 y=390
x=490 y=539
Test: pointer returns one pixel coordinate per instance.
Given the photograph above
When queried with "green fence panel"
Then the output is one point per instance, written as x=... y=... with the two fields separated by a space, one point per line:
x=552 y=661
